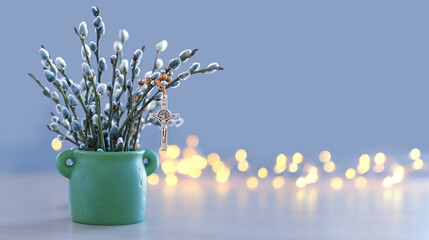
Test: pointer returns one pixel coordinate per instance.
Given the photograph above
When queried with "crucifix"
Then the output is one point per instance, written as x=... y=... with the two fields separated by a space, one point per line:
x=164 y=116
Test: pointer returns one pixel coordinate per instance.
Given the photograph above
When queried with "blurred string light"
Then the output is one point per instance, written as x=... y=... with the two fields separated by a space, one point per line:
x=192 y=164
x=189 y=162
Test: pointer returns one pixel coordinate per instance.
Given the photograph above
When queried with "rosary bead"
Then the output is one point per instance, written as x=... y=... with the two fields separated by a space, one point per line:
x=141 y=82
x=169 y=78
x=147 y=81
x=158 y=82
x=163 y=76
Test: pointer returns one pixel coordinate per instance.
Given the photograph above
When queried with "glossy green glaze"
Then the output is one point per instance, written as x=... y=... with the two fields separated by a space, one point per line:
x=107 y=188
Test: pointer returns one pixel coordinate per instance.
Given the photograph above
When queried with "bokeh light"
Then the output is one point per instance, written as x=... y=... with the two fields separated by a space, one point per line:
x=189 y=152
x=153 y=179
x=183 y=167
x=281 y=159
x=418 y=164
x=195 y=172
x=56 y=144
x=217 y=166
x=252 y=182
x=387 y=182
x=278 y=182
x=240 y=155
x=325 y=156
x=329 y=166
x=262 y=172
x=212 y=158
x=360 y=182
x=279 y=168
x=243 y=166
x=192 y=141
x=380 y=158
x=222 y=175
x=398 y=174
x=171 y=180
x=362 y=169
x=168 y=167
x=191 y=163
x=364 y=159
x=198 y=161
x=280 y=165
x=336 y=183
x=378 y=168
x=293 y=167
x=312 y=175
x=364 y=164
x=297 y=158
x=173 y=151
x=350 y=173
x=415 y=154
x=300 y=182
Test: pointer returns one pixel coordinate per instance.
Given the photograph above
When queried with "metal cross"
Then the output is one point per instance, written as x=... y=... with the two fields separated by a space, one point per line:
x=164 y=116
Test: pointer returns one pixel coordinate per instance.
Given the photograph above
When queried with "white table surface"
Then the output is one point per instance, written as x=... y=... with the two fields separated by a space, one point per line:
x=35 y=206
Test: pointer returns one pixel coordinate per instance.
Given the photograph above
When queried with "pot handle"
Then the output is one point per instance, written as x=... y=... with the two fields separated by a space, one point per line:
x=62 y=166
x=152 y=161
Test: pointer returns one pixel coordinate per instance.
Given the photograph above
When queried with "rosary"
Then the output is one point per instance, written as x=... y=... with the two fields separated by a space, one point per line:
x=164 y=116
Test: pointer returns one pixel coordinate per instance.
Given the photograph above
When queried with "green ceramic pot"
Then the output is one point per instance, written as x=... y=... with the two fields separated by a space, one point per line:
x=107 y=188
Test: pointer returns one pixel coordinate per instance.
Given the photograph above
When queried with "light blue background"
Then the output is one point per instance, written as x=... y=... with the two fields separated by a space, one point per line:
x=347 y=76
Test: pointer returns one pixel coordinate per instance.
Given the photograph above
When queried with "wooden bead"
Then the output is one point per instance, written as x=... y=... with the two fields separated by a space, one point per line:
x=158 y=82
x=141 y=82
x=147 y=81
x=169 y=78
x=163 y=76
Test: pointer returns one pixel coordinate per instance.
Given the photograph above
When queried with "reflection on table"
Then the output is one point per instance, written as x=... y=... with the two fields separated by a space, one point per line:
x=35 y=206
